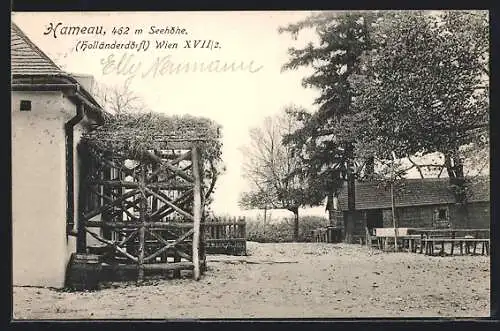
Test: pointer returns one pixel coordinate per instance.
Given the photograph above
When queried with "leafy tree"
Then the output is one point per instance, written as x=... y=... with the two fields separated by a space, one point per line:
x=273 y=169
x=329 y=151
x=425 y=88
x=258 y=199
x=406 y=82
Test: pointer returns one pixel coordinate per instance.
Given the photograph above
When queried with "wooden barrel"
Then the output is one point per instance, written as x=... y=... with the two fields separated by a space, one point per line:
x=83 y=272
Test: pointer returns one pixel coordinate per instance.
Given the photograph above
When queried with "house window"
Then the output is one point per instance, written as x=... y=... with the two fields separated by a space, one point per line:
x=25 y=105
x=441 y=218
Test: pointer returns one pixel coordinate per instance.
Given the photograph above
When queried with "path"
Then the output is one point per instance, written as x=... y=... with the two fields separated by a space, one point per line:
x=309 y=280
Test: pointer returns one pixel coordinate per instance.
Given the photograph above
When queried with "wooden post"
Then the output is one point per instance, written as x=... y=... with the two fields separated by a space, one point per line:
x=83 y=196
x=351 y=199
x=452 y=243
x=196 y=212
x=154 y=203
x=243 y=228
x=203 y=236
x=142 y=230
x=106 y=190
x=177 y=258
x=394 y=223
x=393 y=204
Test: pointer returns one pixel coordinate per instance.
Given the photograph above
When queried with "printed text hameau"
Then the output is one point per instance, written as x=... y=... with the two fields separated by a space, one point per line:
x=56 y=29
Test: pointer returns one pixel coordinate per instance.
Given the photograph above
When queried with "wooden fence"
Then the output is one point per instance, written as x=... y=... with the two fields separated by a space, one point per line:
x=225 y=236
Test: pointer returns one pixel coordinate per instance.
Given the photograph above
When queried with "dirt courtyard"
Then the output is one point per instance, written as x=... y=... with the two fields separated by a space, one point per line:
x=292 y=280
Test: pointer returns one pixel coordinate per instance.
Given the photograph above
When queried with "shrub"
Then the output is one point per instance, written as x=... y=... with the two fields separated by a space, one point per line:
x=283 y=231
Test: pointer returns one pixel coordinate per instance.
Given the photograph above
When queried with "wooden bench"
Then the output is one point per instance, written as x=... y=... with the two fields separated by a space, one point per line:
x=406 y=242
x=407 y=239
x=430 y=243
x=411 y=241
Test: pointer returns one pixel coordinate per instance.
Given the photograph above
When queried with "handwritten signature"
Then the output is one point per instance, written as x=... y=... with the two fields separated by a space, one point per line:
x=128 y=65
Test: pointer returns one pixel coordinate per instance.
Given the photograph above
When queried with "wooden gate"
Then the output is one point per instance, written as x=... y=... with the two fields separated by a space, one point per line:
x=143 y=214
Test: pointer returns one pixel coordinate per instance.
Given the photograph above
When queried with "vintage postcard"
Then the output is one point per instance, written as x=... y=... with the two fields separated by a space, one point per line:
x=250 y=164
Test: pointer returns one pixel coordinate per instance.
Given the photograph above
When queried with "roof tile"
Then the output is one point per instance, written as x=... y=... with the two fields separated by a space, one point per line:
x=27 y=58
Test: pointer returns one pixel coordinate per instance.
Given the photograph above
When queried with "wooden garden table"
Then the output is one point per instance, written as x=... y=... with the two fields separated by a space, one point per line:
x=429 y=233
x=449 y=235
x=429 y=245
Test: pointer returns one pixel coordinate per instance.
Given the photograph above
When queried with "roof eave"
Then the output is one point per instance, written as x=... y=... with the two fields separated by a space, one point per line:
x=80 y=94
x=414 y=205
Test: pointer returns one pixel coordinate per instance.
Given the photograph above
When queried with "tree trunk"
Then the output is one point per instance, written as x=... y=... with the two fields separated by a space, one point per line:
x=351 y=188
x=295 y=212
x=330 y=209
x=370 y=167
x=349 y=227
x=265 y=220
x=461 y=199
x=351 y=196
x=333 y=217
x=455 y=169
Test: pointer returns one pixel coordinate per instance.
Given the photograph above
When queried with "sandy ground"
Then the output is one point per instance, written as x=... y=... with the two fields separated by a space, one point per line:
x=294 y=280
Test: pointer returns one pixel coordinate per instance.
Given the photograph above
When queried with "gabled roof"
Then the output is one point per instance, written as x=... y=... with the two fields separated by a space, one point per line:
x=414 y=192
x=28 y=62
x=27 y=58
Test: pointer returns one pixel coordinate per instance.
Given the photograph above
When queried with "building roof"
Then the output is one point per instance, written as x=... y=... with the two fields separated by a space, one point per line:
x=414 y=192
x=29 y=61
x=27 y=58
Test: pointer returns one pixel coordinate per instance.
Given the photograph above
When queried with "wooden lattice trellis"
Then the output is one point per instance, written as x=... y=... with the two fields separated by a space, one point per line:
x=147 y=212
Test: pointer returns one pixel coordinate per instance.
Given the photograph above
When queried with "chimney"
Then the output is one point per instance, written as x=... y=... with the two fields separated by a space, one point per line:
x=86 y=81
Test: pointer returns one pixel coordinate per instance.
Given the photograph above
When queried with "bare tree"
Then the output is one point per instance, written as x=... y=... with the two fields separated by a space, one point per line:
x=119 y=99
x=272 y=168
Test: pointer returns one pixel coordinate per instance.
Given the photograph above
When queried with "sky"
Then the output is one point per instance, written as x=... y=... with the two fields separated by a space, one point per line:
x=236 y=100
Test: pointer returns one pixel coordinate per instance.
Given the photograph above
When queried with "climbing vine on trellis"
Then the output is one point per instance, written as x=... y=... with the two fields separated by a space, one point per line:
x=136 y=136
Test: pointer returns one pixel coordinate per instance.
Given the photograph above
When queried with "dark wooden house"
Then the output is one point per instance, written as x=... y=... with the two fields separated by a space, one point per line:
x=420 y=203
